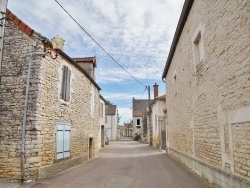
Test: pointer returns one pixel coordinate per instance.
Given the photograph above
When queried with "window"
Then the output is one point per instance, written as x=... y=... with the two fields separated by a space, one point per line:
x=63 y=141
x=138 y=122
x=175 y=84
x=92 y=102
x=198 y=47
x=101 y=110
x=65 y=89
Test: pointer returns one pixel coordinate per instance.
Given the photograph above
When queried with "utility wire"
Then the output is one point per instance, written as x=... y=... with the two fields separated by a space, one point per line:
x=99 y=44
x=143 y=92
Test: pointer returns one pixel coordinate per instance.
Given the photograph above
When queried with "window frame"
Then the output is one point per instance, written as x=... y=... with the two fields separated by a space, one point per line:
x=198 y=47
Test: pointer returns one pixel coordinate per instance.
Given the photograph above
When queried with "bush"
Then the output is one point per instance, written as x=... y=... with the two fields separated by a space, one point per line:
x=137 y=137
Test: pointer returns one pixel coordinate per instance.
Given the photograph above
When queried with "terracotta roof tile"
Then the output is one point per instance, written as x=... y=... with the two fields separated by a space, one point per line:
x=137 y=113
x=110 y=110
x=24 y=27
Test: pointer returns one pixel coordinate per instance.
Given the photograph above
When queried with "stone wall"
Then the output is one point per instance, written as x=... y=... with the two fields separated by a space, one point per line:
x=208 y=102
x=17 y=46
x=45 y=110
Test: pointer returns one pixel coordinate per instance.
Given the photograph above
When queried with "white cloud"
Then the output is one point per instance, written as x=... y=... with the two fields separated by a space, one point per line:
x=131 y=31
x=137 y=34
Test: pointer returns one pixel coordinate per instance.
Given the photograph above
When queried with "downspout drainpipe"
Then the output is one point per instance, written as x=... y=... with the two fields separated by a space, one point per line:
x=25 y=111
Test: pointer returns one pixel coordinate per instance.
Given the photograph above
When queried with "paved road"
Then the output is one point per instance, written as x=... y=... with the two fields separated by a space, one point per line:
x=126 y=164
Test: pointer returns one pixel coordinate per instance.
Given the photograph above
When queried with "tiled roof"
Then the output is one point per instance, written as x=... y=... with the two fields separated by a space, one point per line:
x=127 y=125
x=140 y=104
x=137 y=113
x=19 y=23
x=110 y=110
x=85 y=60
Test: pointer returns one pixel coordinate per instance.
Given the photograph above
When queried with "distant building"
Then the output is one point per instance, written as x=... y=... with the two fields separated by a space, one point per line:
x=111 y=122
x=139 y=114
x=157 y=121
x=101 y=142
x=207 y=77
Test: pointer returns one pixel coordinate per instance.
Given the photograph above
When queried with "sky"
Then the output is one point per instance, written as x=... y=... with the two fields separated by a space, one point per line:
x=136 y=33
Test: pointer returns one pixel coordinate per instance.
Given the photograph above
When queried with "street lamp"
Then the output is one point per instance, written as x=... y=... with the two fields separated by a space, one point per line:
x=57 y=44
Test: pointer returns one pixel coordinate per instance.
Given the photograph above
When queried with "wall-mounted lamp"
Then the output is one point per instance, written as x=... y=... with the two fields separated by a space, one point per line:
x=57 y=44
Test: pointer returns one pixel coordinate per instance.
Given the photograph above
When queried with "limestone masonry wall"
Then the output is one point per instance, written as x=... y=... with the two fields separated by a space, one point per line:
x=45 y=110
x=208 y=102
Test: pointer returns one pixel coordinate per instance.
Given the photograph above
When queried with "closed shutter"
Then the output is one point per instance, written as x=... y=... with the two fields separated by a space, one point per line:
x=67 y=94
x=63 y=141
x=65 y=89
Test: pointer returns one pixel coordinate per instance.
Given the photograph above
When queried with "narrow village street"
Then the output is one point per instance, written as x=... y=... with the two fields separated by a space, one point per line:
x=125 y=163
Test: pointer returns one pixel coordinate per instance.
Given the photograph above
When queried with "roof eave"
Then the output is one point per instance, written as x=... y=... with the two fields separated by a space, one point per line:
x=184 y=14
x=83 y=71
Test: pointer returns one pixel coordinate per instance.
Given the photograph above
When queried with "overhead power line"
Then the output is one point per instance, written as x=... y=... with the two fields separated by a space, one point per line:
x=99 y=44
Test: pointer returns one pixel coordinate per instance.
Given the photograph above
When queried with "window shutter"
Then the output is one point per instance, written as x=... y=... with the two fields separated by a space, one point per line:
x=66 y=141
x=67 y=94
x=65 y=89
x=64 y=75
x=63 y=141
x=59 y=142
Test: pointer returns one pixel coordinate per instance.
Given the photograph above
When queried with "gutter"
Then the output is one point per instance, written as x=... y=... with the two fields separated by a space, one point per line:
x=25 y=112
x=184 y=14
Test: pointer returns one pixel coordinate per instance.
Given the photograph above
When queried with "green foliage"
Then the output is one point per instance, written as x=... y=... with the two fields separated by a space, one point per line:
x=109 y=103
x=137 y=137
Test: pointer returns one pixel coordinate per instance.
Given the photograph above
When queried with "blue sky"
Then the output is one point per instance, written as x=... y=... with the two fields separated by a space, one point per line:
x=136 y=33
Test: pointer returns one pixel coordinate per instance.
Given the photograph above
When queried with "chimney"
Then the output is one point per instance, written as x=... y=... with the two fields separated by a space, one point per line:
x=155 y=90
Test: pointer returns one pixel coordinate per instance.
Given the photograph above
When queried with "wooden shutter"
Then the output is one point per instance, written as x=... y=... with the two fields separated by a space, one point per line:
x=67 y=94
x=65 y=91
x=63 y=141
x=59 y=142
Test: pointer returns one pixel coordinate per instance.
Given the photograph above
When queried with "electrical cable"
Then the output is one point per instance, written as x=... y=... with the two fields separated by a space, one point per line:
x=99 y=44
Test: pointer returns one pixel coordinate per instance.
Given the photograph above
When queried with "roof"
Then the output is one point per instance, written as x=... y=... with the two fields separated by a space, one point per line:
x=12 y=17
x=85 y=60
x=110 y=110
x=26 y=29
x=184 y=14
x=138 y=113
x=127 y=125
x=159 y=98
x=140 y=104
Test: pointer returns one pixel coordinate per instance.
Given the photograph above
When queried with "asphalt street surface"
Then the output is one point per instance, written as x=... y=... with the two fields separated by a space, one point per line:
x=124 y=164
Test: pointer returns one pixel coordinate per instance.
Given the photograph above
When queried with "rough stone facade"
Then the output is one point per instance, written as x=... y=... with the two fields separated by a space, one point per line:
x=139 y=114
x=46 y=109
x=157 y=121
x=208 y=92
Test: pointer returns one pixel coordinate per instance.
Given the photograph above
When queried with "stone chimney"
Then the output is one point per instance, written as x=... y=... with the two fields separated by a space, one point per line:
x=155 y=90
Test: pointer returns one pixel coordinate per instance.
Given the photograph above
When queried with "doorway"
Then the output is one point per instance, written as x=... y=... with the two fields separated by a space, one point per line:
x=90 y=148
x=102 y=136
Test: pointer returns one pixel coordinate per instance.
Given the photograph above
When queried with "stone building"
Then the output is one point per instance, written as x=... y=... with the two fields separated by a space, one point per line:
x=139 y=115
x=207 y=77
x=101 y=142
x=111 y=122
x=156 y=113
x=63 y=119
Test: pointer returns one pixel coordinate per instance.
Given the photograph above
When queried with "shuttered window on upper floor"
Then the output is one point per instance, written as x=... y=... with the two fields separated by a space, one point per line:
x=65 y=89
